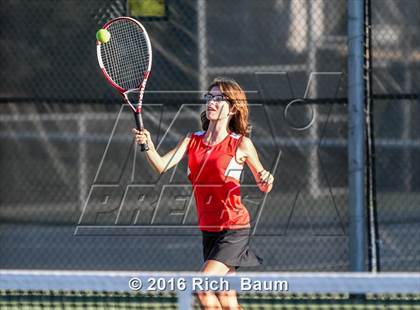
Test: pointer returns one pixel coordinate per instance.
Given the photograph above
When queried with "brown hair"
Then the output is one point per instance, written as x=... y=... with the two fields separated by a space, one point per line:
x=237 y=99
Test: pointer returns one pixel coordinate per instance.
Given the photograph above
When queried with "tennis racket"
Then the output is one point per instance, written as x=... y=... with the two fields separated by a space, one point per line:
x=126 y=61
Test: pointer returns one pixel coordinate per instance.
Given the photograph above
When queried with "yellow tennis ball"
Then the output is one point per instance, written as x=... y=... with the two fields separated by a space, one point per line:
x=103 y=35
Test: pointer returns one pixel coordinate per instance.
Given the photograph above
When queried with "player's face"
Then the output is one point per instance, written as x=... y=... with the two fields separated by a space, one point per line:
x=217 y=105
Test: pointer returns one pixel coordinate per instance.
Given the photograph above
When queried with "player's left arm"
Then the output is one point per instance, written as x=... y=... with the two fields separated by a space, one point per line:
x=248 y=154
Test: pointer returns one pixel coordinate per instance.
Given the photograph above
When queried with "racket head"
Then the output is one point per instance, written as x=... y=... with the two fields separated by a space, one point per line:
x=126 y=59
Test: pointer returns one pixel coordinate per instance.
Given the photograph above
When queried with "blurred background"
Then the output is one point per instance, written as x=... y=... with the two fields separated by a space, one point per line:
x=66 y=140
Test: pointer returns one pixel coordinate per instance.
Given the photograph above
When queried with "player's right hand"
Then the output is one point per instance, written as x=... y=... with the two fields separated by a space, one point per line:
x=142 y=137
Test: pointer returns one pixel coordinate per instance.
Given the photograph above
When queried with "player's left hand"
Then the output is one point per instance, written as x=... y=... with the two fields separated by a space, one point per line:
x=266 y=180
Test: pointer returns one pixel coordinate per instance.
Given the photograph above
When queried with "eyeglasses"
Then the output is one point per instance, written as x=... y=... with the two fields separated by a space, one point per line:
x=217 y=98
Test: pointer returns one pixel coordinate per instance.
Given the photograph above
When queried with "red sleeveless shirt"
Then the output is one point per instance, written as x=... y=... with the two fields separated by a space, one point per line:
x=215 y=175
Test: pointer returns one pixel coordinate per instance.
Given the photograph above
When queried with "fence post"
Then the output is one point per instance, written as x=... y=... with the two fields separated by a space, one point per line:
x=356 y=137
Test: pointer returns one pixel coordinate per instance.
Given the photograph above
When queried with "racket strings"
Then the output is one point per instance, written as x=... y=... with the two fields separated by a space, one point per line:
x=126 y=56
x=127 y=60
x=130 y=66
x=130 y=47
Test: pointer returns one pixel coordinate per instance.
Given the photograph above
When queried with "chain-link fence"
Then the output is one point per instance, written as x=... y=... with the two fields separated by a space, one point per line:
x=395 y=55
x=69 y=197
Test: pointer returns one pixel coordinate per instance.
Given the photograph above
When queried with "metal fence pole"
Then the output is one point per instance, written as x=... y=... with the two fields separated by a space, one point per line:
x=356 y=136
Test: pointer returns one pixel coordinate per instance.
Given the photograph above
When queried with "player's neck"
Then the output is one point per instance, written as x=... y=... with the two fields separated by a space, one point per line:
x=216 y=130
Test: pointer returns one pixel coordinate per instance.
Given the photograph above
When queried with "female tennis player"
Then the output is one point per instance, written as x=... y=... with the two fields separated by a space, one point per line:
x=216 y=157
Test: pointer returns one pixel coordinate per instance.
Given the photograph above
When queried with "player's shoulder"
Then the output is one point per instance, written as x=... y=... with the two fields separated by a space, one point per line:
x=192 y=135
x=236 y=136
x=197 y=133
x=246 y=143
x=246 y=140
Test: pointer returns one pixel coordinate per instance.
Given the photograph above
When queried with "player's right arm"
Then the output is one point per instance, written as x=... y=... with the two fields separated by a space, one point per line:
x=167 y=161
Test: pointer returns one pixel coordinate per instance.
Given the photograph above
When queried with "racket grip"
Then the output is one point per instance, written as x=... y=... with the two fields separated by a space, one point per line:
x=139 y=124
x=144 y=147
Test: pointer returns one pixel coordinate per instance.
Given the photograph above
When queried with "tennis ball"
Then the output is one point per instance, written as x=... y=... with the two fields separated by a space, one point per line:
x=103 y=35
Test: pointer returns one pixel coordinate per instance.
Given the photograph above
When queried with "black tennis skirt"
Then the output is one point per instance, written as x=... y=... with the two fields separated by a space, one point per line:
x=230 y=247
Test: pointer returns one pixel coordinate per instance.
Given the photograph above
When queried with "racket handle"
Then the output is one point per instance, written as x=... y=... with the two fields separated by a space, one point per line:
x=144 y=147
x=139 y=125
